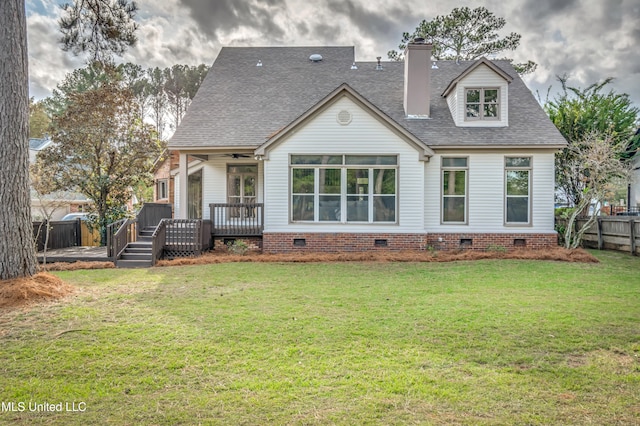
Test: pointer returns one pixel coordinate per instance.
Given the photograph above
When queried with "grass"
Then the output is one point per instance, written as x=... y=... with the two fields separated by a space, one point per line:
x=486 y=342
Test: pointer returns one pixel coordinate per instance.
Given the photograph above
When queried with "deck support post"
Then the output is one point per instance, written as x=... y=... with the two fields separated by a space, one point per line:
x=183 y=202
x=632 y=235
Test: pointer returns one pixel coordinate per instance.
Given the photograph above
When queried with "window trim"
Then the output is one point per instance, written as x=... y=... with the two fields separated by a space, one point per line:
x=344 y=167
x=481 y=104
x=165 y=184
x=529 y=169
x=444 y=168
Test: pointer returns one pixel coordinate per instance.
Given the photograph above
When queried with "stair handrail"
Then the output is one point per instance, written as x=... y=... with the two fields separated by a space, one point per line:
x=158 y=239
x=121 y=238
x=112 y=228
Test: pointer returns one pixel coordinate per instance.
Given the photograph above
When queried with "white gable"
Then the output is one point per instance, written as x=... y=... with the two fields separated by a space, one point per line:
x=479 y=78
x=344 y=127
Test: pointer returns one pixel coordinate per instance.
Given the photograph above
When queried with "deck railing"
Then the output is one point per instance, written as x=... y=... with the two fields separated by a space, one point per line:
x=152 y=213
x=183 y=237
x=237 y=219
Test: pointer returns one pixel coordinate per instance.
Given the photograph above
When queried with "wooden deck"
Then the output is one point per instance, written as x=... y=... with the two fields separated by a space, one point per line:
x=76 y=254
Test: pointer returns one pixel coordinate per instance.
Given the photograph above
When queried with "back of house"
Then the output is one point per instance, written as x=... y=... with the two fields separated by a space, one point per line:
x=303 y=148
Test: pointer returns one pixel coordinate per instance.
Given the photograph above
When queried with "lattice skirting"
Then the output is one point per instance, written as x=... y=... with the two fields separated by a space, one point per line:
x=177 y=252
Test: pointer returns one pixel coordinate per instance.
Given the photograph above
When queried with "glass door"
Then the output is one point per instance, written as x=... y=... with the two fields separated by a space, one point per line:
x=195 y=195
x=242 y=189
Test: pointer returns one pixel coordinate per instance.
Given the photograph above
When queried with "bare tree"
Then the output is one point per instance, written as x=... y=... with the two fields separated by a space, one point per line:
x=595 y=163
x=49 y=201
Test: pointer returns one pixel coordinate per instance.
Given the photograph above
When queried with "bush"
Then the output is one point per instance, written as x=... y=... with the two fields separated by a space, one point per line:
x=237 y=247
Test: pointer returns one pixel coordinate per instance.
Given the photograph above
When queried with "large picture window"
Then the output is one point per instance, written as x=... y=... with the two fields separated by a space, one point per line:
x=343 y=188
x=482 y=104
x=518 y=190
x=454 y=189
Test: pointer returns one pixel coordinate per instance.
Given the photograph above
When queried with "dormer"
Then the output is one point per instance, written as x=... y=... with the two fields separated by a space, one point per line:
x=479 y=96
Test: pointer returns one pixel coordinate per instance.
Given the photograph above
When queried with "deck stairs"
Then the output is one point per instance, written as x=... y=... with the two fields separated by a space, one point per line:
x=138 y=254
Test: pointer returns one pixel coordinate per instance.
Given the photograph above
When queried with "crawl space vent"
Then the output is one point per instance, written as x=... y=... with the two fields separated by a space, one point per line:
x=344 y=117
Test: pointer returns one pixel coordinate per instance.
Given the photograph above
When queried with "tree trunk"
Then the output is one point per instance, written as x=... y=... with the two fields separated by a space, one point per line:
x=17 y=251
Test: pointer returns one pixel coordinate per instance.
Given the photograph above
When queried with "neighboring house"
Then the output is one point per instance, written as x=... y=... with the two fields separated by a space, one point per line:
x=164 y=177
x=57 y=204
x=634 y=187
x=163 y=181
x=326 y=154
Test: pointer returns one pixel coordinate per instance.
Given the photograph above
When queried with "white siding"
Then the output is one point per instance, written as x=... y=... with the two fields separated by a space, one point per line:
x=485 y=195
x=324 y=135
x=214 y=180
x=452 y=101
x=481 y=77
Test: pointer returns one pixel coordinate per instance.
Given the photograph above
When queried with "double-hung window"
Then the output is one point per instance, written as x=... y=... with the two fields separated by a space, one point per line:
x=454 y=189
x=344 y=188
x=518 y=190
x=482 y=104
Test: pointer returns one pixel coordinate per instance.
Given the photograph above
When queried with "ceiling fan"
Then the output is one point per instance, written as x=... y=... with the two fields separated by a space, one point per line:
x=238 y=155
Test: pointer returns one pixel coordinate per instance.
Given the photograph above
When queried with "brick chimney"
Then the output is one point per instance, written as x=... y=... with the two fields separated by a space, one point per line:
x=417 y=79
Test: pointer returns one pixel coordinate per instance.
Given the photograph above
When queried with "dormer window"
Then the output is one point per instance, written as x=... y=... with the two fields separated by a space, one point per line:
x=482 y=104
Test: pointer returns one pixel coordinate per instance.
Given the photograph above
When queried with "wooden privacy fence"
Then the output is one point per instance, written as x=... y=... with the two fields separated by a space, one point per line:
x=89 y=237
x=65 y=233
x=620 y=233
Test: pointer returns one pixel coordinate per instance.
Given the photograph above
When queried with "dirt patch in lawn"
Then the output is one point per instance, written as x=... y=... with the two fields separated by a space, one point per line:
x=73 y=266
x=39 y=288
x=557 y=254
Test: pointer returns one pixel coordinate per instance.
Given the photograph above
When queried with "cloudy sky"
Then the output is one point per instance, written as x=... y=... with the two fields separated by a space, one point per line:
x=587 y=39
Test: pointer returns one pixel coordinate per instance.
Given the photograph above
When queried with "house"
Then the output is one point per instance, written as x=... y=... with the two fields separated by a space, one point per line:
x=634 y=187
x=58 y=204
x=302 y=148
x=633 y=196
x=163 y=179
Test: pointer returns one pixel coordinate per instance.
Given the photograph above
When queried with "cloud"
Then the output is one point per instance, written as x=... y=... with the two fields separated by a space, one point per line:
x=588 y=39
x=377 y=24
x=226 y=16
x=48 y=64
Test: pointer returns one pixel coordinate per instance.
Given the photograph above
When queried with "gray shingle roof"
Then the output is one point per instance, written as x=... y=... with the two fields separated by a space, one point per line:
x=241 y=105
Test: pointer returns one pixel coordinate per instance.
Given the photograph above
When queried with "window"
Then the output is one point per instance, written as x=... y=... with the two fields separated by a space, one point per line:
x=343 y=188
x=518 y=189
x=162 y=189
x=454 y=189
x=482 y=104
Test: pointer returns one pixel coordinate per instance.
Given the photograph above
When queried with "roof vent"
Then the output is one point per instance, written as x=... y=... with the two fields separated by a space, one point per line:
x=259 y=64
x=344 y=117
x=316 y=57
x=354 y=66
x=379 y=66
x=434 y=66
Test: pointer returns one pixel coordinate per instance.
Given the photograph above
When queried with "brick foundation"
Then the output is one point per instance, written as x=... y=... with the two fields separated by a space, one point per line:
x=254 y=243
x=491 y=241
x=350 y=242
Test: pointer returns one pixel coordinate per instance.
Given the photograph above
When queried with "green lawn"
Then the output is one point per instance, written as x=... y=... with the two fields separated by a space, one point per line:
x=485 y=342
